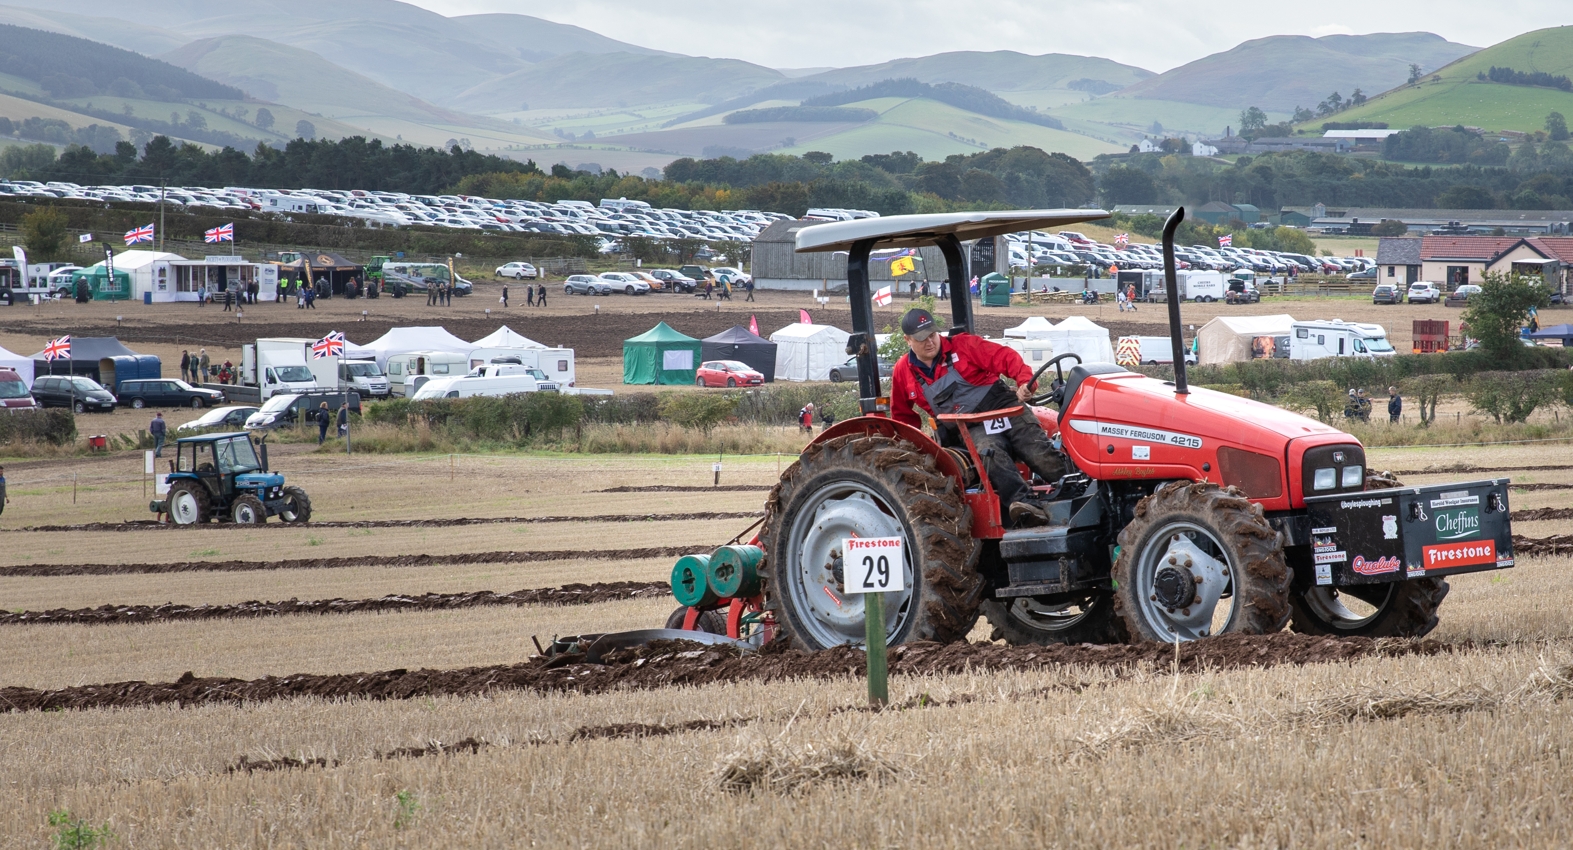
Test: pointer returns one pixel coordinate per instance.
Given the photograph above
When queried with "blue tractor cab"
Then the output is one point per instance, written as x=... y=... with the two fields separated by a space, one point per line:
x=226 y=476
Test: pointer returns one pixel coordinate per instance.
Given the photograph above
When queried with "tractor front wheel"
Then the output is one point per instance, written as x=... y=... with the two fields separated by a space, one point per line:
x=188 y=503
x=248 y=510
x=868 y=486
x=297 y=505
x=1089 y=619
x=1200 y=560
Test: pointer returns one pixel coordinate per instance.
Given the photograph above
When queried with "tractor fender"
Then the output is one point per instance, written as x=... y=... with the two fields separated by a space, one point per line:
x=887 y=427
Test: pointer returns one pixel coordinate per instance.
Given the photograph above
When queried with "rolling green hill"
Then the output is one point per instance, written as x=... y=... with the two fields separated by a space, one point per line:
x=130 y=35
x=997 y=71
x=617 y=79
x=936 y=130
x=1282 y=72
x=1455 y=94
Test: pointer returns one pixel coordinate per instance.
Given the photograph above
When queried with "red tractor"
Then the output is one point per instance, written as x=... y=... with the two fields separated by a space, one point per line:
x=1187 y=513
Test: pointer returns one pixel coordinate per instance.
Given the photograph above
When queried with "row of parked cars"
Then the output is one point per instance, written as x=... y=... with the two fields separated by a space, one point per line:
x=1069 y=248
x=85 y=395
x=688 y=279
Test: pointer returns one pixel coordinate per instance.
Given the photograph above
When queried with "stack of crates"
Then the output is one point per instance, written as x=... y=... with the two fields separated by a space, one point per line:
x=1430 y=336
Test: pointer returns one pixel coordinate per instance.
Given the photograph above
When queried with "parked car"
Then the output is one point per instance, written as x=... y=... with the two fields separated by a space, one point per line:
x=697 y=273
x=1421 y=292
x=727 y=373
x=74 y=391
x=1366 y=274
x=230 y=416
x=736 y=276
x=586 y=284
x=1386 y=294
x=1460 y=296
x=290 y=408
x=13 y=392
x=166 y=393
x=626 y=283
x=674 y=281
x=517 y=271
x=848 y=371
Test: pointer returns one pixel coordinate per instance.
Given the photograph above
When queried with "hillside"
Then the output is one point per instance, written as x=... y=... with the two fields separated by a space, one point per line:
x=535 y=39
x=617 y=79
x=65 y=66
x=1460 y=97
x=997 y=71
x=1282 y=72
x=936 y=130
x=129 y=35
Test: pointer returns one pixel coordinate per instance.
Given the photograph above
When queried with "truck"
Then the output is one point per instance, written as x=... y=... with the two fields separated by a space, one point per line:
x=278 y=365
x=1194 y=286
x=1337 y=338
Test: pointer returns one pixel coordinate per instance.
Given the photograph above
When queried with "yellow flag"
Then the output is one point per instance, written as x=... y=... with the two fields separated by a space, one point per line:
x=901 y=266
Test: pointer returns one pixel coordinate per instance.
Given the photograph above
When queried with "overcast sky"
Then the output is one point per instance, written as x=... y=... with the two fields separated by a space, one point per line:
x=1153 y=34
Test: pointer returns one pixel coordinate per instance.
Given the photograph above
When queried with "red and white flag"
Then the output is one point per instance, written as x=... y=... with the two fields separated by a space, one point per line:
x=222 y=233
x=882 y=297
x=804 y=318
x=140 y=234
x=58 y=349
x=1226 y=241
x=331 y=345
x=753 y=325
x=1122 y=240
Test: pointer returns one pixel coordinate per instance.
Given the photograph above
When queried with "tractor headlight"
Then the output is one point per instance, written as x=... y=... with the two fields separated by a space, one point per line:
x=1354 y=476
x=1325 y=479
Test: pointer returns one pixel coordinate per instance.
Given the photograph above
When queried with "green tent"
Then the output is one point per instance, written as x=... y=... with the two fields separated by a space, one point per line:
x=99 y=283
x=660 y=355
x=996 y=290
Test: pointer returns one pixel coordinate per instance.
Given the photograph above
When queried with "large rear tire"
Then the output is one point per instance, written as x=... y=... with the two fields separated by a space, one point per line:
x=1394 y=609
x=868 y=486
x=1200 y=560
x=1024 y=620
x=297 y=505
x=189 y=503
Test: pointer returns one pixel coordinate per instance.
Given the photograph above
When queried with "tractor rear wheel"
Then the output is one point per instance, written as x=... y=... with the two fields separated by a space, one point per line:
x=297 y=505
x=1395 y=609
x=248 y=510
x=189 y=503
x=1200 y=560
x=868 y=486
x=1090 y=619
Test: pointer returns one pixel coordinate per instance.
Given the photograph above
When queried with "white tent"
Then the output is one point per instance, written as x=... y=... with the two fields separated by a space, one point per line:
x=1084 y=337
x=22 y=365
x=505 y=337
x=808 y=352
x=1231 y=339
x=407 y=340
x=1035 y=327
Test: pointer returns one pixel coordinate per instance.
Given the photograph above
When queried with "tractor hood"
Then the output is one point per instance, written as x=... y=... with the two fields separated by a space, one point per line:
x=267 y=480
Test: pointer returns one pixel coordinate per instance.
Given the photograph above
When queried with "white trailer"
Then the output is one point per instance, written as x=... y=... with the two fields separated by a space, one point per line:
x=1194 y=286
x=406 y=372
x=1315 y=340
x=557 y=363
x=1151 y=350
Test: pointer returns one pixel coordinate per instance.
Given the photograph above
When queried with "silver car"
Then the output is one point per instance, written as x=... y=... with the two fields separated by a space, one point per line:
x=625 y=283
x=586 y=284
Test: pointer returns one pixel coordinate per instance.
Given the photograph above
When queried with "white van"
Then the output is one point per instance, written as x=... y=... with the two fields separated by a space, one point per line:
x=364 y=376
x=1315 y=340
x=1151 y=350
x=500 y=370
x=406 y=372
x=465 y=387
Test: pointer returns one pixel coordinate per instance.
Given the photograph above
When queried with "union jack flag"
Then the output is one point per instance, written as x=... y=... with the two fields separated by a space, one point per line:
x=58 y=349
x=331 y=345
x=141 y=234
x=1226 y=241
x=1122 y=240
x=222 y=233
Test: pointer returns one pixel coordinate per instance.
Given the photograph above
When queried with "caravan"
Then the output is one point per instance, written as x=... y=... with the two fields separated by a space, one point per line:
x=406 y=372
x=1315 y=340
x=556 y=363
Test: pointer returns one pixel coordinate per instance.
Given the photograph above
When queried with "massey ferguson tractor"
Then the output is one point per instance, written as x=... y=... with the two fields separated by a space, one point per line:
x=1187 y=513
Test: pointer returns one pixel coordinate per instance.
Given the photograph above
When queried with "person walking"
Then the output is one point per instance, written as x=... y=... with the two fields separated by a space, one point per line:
x=4 y=499
x=157 y=429
x=185 y=364
x=1130 y=296
x=505 y=295
x=709 y=288
x=344 y=419
x=748 y=286
x=540 y=296
x=311 y=298
x=229 y=297
x=1395 y=404
x=204 y=362
x=1119 y=300
x=529 y=294
x=323 y=418
x=805 y=417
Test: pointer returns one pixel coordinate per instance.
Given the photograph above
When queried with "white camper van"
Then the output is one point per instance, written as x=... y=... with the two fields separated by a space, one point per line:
x=1315 y=340
x=406 y=372
x=465 y=387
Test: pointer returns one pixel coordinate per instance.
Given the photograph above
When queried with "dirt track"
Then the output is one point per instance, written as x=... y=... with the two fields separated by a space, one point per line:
x=569 y=594
x=682 y=664
x=351 y=561
x=150 y=525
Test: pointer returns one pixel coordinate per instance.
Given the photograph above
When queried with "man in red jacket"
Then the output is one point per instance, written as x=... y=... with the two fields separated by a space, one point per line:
x=962 y=374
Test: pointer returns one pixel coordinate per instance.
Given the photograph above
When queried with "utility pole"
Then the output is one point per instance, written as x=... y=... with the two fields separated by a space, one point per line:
x=161 y=214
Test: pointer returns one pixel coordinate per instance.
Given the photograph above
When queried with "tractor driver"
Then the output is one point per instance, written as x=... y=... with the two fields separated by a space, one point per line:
x=962 y=374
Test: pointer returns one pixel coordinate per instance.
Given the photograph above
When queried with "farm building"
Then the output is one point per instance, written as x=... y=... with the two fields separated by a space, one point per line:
x=1398 y=259
x=1452 y=261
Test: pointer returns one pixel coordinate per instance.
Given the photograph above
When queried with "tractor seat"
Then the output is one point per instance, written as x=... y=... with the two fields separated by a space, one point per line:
x=1080 y=372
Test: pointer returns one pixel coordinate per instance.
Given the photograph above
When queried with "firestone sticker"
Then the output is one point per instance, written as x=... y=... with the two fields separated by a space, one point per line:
x=1331 y=557
x=1447 y=555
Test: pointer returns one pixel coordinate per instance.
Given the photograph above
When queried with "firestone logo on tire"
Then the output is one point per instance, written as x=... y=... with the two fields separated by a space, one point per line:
x=1449 y=555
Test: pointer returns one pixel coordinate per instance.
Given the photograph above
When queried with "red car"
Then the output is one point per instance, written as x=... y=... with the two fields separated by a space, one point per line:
x=727 y=373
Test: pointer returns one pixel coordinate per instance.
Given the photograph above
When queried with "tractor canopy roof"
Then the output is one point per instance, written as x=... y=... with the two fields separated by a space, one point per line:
x=212 y=438
x=917 y=230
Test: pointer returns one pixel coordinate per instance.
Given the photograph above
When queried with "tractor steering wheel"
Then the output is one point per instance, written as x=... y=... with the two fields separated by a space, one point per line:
x=1056 y=395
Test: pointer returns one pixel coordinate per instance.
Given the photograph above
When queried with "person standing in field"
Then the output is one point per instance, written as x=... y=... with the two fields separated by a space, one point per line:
x=323 y=418
x=185 y=364
x=4 y=499
x=204 y=362
x=344 y=419
x=529 y=295
x=157 y=429
x=1395 y=404
x=748 y=286
x=540 y=296
x=505 y=295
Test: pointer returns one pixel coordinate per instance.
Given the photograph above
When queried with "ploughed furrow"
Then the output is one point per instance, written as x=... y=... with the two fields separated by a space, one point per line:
x=1542 y=514
x=1556 y=544
x=676 y=488
x=1467 y=469
x=1531 y=488
x=568 y=594
x=351 y=561
x=680 y=663
x=150 y=525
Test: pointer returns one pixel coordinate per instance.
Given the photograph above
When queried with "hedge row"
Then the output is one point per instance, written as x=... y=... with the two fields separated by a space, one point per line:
x=55 y=426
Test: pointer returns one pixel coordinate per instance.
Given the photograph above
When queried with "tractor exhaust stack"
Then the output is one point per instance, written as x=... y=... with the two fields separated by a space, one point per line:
x=1172 y=284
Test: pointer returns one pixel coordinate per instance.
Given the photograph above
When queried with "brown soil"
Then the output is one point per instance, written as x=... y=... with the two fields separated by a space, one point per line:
x=348 y=561
x=1530 y=488
x=1542 y=513
x=670 y=664
x=571 y=594
x=1465 y=469
x=150 y=525
x=674 y=488
x=1556 y=544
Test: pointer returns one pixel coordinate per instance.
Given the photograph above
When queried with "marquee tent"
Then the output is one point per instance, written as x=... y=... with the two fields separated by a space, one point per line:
x=660 y=355
x=102 y=358
x=1035 y=327
x=22 y=365
x=741 y=344
x=100 y=286
x=334 y=267
x=505 y=337
x=1232 y=339
x=407 y=340
x=1082 y=336
x=808 y=352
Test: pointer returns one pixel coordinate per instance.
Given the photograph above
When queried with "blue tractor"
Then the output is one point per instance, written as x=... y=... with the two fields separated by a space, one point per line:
x=226 y=476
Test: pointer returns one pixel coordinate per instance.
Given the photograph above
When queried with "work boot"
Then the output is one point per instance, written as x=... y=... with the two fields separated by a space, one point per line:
x=1028 y=513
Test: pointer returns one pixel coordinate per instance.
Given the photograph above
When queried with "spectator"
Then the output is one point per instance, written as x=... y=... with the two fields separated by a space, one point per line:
x=431 y=294
x=157 y=429
x=529 y=295
x=826 y=419
x=1130 y=297
x=185 y=365
x=505 y=295
x=1395 y=404
x=709 y=288
x=344 y=419
x=311 y=298
x=202 y=294
x=229 y=297
x=748 y=286
x=4 y=499
x=323 y=418
x=805 y=417
x=205 y=363
x=1119 y=300
x=944 y=290
x=227 y=375
x=540 y=296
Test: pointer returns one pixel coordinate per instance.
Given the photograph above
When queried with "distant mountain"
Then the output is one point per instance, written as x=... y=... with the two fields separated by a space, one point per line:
x=582 y=80
x=534 y=39
x=1456 y=94
x=65 y=67
x=1281 y=72
x=120 y=33
x=997 y=71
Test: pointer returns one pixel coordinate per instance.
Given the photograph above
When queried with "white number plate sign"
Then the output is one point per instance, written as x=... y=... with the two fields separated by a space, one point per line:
x=874 y=564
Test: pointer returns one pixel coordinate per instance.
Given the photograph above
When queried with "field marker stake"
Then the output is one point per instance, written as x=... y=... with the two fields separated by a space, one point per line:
x=878 y=664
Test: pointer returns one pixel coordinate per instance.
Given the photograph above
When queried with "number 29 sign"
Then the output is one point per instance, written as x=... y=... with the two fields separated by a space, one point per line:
x=874 y=564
